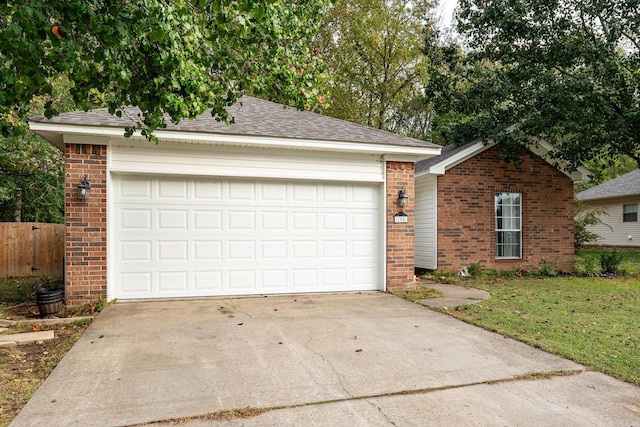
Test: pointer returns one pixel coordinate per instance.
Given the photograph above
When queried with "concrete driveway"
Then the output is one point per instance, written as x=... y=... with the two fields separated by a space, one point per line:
x=319 y=360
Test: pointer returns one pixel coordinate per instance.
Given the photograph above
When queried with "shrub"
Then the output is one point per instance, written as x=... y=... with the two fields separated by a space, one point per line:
x=584 y=218
x=475 y=269
x=610 y=261
x=503 y=274
x=590 y=266
x=546 y=269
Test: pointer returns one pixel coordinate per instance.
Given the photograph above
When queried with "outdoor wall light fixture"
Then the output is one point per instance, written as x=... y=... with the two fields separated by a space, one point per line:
x=403 y=197
x=83 y=189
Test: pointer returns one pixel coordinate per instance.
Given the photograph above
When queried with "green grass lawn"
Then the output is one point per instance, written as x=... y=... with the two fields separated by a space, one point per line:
x=593 y=321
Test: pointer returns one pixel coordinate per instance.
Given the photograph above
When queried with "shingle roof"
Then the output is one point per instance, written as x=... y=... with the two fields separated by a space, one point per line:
x=625 y=185
x=253 y=117
x=446 y=152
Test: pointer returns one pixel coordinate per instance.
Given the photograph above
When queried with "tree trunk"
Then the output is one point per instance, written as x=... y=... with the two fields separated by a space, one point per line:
x=17 y=206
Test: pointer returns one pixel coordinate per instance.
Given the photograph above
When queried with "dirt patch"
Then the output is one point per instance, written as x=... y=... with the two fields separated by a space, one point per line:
x=23 y=368
x=29 y=311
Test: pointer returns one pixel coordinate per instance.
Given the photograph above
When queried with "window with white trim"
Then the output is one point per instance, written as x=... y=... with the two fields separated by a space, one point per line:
x=630 y=213
x=508 y=208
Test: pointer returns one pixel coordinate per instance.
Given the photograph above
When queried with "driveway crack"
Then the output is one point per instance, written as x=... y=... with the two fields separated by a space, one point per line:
x=386 y=417
x=249 y=412
x=328 y=362
x=246 y=313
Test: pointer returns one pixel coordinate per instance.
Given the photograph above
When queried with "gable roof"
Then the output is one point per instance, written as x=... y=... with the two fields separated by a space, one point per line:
x=447 y=152
x=253 y=118
x=454 y=154
x=625 y=185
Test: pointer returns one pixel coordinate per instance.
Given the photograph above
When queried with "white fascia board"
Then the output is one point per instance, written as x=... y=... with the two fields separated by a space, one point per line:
x=411 y=153
x=441 y=167
x=409 y=158
x=542 y=148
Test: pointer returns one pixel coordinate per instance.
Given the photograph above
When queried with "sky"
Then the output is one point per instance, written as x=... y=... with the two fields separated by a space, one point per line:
x=445 y=8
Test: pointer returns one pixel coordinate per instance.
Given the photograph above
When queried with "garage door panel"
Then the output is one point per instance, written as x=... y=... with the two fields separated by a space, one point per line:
x=208 y=236
x=273 y=250
x=205 y=220
x=207 y=282
x=366 y=222
x=172 y=190
x=334 y=221
x=335 y=278
x=135 y=219
x=335 y=194
x=241 y=220
x=336 y=249
x=173 y=250
x=172 y=282
x=305 y=249
x=207 y=191
x=207 y=250
x=241 y=250
x=242 y=280
x=305 y=278
x=365 y=249
x=274 y=280
x=364 y=195
x=241 y=191
x=172 y=219
x=273 y=192
x=363 y=275
x=305 y=221
x=273 y=221
x=136 y=283
x=134 y=251
x=136 y=189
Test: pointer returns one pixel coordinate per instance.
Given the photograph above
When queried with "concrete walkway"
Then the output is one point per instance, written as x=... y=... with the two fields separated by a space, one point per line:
x=11 y=340
x=454 y=295
x=368 y=359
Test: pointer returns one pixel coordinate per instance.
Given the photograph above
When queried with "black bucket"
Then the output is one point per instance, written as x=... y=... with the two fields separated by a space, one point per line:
x=49 y=300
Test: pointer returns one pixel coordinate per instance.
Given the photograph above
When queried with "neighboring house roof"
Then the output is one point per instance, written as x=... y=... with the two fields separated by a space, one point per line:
x=625 y=185
x=253 y=117
x=454 y=154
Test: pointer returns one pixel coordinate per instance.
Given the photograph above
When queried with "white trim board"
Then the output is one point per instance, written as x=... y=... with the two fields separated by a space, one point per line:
x=59 y=134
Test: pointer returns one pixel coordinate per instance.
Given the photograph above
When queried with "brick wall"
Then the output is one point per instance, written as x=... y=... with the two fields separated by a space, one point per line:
x=86 y=224
x=466 y=221
x=400 y=237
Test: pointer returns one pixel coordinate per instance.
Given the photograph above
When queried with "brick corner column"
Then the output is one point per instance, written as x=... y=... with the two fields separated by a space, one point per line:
x=400 y=236
x=86 y=224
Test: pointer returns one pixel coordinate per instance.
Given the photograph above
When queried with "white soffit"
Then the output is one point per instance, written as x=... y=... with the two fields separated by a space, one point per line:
x=542 y=148
x=451 y=161
x=59 y=134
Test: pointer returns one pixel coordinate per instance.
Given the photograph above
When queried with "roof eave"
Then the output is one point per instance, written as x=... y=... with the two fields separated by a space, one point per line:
x=57 y=134
x=447 y=163
x=539 y=147
x=605 y=198
x=543 y=149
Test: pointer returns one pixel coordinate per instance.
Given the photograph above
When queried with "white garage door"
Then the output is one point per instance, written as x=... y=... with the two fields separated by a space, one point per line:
x=181 y=237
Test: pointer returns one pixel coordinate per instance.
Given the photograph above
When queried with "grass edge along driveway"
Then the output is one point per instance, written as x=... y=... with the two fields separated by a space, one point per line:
x=592 y=321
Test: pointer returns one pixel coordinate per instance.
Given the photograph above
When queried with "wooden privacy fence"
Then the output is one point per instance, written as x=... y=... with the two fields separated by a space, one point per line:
x=31 y=249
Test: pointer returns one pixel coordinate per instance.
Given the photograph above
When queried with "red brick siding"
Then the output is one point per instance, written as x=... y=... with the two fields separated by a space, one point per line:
x=466 y=222
x=400 y=237
x=86 y=224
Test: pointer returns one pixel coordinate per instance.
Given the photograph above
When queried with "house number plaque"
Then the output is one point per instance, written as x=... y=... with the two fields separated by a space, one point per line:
x=400 y=218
